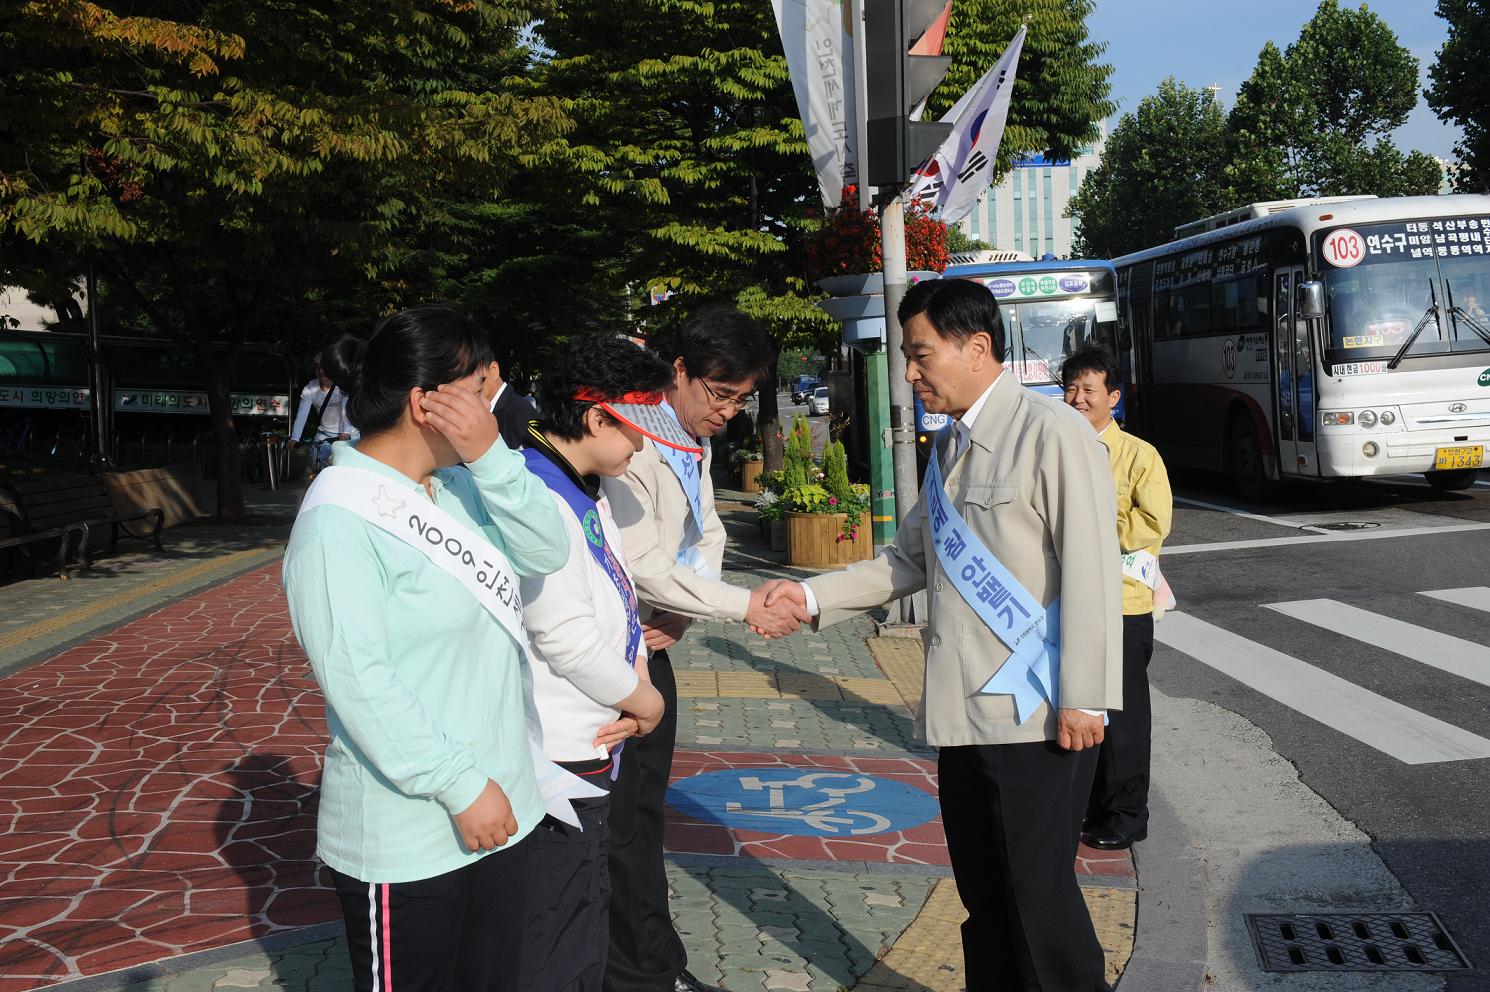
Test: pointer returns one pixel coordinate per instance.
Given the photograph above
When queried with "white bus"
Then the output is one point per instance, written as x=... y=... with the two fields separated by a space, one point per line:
x=1324 y=340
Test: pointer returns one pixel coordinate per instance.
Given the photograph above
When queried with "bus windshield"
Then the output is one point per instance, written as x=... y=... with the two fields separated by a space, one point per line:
x=1379 y=292
x=1041 y=334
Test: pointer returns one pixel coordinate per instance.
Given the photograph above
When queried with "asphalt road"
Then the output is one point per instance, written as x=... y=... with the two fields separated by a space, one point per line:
x=1309 y=618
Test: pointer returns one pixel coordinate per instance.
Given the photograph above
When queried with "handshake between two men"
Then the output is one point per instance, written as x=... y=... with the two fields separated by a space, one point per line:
x=777 y=608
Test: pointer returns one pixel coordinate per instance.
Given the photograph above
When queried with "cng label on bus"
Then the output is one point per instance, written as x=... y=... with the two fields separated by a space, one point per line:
x=1344 y=248
x=1484 y=379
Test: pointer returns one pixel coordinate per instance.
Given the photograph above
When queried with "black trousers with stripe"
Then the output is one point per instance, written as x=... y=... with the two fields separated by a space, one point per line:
x=457 y=932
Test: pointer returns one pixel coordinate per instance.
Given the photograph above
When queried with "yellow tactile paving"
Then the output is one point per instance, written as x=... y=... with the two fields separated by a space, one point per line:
x=928 y=955
x=83 y=613
x=903 y=660
x=761 y=685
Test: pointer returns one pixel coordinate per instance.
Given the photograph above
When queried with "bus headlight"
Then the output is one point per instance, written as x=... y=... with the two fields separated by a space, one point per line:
x=1366 y=419
x=1388 y=418
x=1369 y=449
x=1337 y=419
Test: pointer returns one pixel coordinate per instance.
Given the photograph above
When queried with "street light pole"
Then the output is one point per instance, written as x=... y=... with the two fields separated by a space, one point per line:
x=902 y=408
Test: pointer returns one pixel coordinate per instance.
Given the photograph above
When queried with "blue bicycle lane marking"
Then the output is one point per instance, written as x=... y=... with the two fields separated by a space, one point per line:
x=803 y=802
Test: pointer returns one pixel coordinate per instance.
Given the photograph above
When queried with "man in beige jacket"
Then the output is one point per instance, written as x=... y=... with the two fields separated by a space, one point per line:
x=1031 y=482
x=674 y=541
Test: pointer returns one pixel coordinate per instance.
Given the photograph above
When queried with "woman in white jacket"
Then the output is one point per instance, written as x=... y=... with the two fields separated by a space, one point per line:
x=600 y=400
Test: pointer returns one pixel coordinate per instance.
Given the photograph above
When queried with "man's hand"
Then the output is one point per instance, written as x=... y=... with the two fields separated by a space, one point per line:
x=486 y=824
x=1077 y=731
x=664 y=630
x=777 y=608
x=464 y=420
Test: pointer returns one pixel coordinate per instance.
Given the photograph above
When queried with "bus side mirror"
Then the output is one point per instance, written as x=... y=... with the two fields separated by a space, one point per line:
x=1310 y=299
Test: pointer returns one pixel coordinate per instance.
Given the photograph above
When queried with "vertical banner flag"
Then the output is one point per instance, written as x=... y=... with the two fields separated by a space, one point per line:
x=963 y=167
x=818 y=38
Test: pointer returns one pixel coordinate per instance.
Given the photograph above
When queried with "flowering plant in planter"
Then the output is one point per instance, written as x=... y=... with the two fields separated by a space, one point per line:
x=848 y=242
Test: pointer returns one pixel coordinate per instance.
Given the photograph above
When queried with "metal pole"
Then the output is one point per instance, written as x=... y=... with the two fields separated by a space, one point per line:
x=98 y=387
x=902 y=408
x=881 y=471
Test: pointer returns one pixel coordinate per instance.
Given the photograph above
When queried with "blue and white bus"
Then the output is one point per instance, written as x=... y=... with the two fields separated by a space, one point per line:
x=1049 y=309
x=1331 y=339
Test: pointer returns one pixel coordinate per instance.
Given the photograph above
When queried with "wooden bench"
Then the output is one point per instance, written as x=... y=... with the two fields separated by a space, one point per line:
x=80 y=503
x=16 y=532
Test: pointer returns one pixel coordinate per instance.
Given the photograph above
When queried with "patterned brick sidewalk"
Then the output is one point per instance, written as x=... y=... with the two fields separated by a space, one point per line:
x=158 y=789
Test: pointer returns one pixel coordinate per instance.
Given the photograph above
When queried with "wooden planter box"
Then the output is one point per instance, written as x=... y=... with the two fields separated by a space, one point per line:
x=812 y=540
x=750 y=475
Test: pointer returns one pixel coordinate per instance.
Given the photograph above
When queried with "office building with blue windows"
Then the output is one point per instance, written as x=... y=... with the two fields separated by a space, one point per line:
x=1026 y=212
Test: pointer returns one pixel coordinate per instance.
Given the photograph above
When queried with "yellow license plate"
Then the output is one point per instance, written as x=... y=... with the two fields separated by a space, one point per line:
x=1460 y=456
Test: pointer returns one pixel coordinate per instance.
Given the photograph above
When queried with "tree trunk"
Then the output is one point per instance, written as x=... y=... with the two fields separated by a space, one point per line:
x=225 y=438
x=770 y=415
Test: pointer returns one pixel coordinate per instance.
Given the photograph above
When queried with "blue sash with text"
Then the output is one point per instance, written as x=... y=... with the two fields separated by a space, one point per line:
x=685 y=466
x=1029 y=630
x=585 y=511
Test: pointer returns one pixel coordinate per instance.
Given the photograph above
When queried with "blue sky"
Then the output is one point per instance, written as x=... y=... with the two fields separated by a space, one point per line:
x=1207 y=41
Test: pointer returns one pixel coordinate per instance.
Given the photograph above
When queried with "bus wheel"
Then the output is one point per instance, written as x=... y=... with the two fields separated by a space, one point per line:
x=1244 y=461
x=1448 y=482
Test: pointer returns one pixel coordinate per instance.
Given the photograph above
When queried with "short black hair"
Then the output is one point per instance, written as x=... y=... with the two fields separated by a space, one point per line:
x=425 y=346
x=957 y=309
x=719 y=342
x=611 y=366
x=1092 y=358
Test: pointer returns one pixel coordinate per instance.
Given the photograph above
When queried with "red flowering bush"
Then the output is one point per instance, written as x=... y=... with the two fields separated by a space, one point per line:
x=849 y=240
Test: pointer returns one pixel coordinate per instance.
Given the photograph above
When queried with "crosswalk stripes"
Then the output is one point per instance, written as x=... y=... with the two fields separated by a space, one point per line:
x=1454 y=655
x=1474 y=597
x=1399 y=731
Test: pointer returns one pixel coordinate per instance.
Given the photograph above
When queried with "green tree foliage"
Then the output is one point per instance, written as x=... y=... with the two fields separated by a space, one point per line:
x=1061 y=88
x=959 y=240
x=835 y=472
x=242 y=169
x=1314 y=120
x=1460 y=88
x=692 y=155
x=1162 y=166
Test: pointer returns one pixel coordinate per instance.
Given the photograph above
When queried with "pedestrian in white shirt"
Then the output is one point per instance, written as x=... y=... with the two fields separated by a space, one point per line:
x=601 y=400
x=323 y=395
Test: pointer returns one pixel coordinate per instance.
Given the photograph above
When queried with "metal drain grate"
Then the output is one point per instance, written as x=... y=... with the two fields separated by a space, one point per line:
x=1354 y=942
x=1348 y=525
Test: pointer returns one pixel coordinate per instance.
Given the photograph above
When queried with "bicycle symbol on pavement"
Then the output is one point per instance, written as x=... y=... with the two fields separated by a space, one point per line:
x=804 y=803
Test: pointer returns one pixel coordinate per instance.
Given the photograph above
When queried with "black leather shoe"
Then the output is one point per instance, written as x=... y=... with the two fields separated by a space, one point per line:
x=687 y=983
x=1110 y=840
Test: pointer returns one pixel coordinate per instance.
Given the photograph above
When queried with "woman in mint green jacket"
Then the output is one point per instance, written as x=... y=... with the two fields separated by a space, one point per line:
x=396 y=573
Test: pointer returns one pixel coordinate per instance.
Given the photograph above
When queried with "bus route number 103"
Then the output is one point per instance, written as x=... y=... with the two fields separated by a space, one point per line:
x=1344 y=248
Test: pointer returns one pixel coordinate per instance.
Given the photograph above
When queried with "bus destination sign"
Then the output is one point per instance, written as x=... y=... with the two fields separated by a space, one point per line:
x=1038 y=285
x=1449 y=237
x=1219 y=264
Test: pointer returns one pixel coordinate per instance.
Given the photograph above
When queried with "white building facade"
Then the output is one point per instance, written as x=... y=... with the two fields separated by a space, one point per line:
x=1026 y=213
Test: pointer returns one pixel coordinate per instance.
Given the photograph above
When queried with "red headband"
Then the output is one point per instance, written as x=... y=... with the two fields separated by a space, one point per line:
x=588 y=394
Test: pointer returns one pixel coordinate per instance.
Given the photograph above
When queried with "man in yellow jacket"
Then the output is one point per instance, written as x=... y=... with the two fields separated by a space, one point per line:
x=1117 y=813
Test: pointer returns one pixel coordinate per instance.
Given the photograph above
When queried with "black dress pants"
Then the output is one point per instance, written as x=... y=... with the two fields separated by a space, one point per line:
x=1012 y=814
x=1120 y=792
x=451 y=933
x=646 y=953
